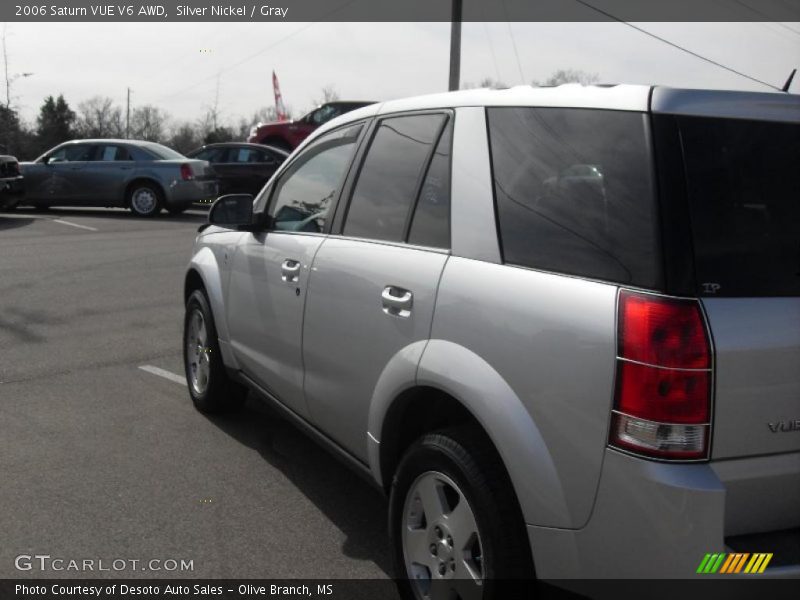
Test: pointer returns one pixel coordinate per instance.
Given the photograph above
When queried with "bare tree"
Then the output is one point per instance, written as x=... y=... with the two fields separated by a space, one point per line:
x=486 y=82
x=184 y=137
x=568 y=76
x=329 y=94
x=98 y=117
x=149 y=123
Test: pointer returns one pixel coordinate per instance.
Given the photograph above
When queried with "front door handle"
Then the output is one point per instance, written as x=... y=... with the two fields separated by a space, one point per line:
x=397 y=301
x=290 y=271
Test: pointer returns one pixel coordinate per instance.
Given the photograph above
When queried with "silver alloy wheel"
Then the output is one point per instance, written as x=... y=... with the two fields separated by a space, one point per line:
x=144 y=201
x=198 y=353
x=441 y=543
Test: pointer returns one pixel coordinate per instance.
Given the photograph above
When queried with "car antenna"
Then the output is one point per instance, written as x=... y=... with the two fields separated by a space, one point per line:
x=786 y=85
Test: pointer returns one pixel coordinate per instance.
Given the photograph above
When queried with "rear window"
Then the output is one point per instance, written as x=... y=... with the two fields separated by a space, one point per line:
x=574 y=194
x=161 y=152
x=744 y=203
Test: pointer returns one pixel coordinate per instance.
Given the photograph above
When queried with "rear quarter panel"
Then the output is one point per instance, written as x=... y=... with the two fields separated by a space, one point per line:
x=551 y=341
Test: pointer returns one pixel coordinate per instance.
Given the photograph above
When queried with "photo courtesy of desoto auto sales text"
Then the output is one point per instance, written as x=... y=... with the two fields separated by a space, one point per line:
x=399 y=300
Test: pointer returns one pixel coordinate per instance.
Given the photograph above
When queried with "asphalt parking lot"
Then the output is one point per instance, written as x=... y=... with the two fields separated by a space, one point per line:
x=101 y=459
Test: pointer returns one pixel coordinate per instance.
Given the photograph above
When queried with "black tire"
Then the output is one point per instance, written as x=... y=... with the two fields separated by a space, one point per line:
x=176 y=210
x=144 y=199
x=220 y=394
x=466 y=456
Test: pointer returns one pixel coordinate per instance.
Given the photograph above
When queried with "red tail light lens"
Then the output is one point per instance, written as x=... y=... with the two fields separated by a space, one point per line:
x=662 y=404
x=664 y=395
x=662 y=331
x=186 y=172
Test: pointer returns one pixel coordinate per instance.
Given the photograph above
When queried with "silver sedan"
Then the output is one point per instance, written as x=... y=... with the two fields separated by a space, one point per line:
x=142 y=176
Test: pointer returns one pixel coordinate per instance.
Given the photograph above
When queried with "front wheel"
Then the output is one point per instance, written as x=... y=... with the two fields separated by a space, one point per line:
x=211 y=389
x=455 y=524
x=144 y=200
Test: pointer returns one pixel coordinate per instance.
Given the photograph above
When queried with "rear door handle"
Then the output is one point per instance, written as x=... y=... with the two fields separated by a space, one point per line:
x=397 y=301
x=290 y=271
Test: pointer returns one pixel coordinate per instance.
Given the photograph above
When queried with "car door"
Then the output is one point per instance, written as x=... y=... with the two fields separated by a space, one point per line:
x=60 y=183
x=103 y=179
x=373 y=285
x=270 y=270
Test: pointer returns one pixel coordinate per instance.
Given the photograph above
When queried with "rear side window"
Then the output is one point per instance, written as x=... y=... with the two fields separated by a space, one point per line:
x=744 y=202
x=574 y=193
x=430 y=225
x=390 y=176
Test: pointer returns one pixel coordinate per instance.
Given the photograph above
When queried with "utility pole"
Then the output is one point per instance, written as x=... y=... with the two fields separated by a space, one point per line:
x=455 y=46
x=128 y=117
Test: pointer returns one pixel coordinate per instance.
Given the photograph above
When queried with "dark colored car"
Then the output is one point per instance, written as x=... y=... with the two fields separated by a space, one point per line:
x=11 y=183
x=241 y=168
x=287 y=135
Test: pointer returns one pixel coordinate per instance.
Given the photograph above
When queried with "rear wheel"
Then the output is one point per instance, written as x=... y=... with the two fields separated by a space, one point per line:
x=456 y=528
x=211 y=389
x=144 y=199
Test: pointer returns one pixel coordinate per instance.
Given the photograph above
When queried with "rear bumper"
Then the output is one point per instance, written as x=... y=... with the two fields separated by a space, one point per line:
x=659 y=520
x=183 y=193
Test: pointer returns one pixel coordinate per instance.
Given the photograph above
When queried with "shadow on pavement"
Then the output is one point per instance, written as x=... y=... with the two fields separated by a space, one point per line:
x=355 y=507
x=13 y=222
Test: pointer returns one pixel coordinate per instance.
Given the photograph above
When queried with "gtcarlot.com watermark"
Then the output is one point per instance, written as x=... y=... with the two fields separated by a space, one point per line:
x=46 y=563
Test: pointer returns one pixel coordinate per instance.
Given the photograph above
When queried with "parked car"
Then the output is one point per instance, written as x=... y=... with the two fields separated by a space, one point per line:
x=12 y=185
x=600 y=385
x=241 y=167
x=142 y=176
x=287 y=135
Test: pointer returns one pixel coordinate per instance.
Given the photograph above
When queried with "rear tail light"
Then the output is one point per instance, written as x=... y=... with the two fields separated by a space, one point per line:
x=15 y=168
x=662 y=403
x=186 y=172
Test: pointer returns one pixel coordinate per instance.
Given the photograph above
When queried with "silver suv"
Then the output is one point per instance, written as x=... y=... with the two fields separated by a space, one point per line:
x=559 y=327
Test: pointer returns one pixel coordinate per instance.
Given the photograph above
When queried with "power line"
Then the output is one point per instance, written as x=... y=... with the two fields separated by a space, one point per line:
x=514 y=44
x=491 y=49
x=674 y=45
x=763 y=14
x=260 y=52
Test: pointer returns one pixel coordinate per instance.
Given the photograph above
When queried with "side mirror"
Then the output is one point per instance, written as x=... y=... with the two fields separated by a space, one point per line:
x=234 y=211
x=51 y=160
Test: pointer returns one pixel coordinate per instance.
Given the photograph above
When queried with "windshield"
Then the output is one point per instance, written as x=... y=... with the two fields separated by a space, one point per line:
x=744 y=196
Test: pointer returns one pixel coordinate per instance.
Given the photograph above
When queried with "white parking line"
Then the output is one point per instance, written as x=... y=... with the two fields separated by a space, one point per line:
x=74 y=225
x=165 y=374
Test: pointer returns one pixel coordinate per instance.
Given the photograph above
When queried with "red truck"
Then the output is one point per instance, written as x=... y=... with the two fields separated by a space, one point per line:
x=287 y=135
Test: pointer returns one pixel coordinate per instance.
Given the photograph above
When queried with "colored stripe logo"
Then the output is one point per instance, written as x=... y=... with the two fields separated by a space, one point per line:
x=738 y=562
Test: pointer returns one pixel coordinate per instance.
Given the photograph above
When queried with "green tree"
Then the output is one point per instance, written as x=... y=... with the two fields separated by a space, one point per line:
x=55 y=123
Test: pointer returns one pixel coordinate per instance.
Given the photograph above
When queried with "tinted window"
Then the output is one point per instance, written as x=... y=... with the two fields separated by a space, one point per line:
x=110 y=153
x=387 y=184
x=430 y=225
x=73 y=152
x=161 y=152
x=744 y=201
x=210 y=154
x=305 y=192
x=573 y=192
x=243 y=154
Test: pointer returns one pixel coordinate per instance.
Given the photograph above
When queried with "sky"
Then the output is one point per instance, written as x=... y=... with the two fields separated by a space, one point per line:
x=184 y=67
